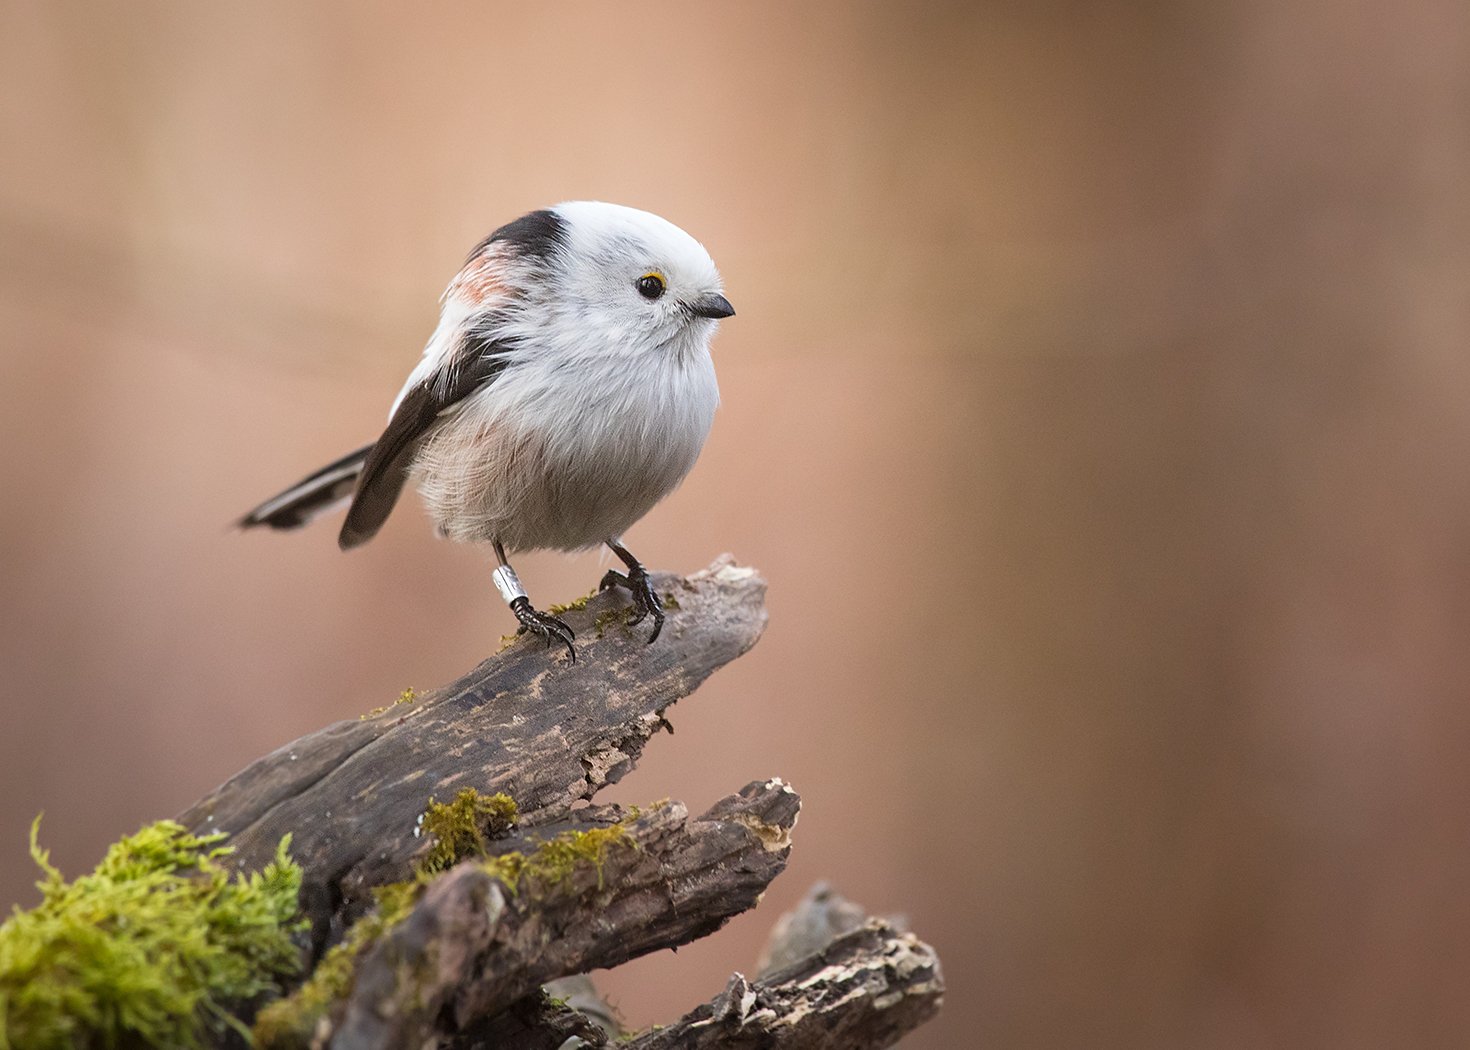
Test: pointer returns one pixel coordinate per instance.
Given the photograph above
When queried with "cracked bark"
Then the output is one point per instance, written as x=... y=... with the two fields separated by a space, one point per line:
x=864 y=990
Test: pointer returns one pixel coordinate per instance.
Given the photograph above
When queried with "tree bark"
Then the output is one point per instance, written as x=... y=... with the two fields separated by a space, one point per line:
x=566 y=890
x=864 y=990
x=525 y=721
x=473 y=946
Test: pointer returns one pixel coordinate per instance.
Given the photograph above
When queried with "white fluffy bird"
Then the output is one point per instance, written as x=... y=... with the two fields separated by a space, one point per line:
x=567 y=389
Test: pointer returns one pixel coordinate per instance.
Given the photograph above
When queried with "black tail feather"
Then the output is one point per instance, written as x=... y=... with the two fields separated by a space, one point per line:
x=310 y=497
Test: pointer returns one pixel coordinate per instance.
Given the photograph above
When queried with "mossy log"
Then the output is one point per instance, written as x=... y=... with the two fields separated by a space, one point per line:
x=449 y=947
x=473 y=946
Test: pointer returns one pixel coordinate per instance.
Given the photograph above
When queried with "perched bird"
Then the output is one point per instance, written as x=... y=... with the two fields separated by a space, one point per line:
x=567 y=389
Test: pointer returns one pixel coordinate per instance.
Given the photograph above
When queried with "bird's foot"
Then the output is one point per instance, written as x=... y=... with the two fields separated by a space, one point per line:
x=645 y=598
x=543 y=625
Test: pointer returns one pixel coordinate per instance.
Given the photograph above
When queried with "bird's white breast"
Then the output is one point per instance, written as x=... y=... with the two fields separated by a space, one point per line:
x=567 y=451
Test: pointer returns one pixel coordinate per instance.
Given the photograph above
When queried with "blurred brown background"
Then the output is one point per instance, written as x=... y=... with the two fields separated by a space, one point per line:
x=1096 y=408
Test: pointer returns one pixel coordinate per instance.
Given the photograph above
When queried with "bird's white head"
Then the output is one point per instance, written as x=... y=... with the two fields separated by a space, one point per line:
x=605 y=279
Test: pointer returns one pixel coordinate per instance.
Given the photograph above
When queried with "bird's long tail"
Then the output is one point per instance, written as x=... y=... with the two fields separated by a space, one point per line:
x=311 y=497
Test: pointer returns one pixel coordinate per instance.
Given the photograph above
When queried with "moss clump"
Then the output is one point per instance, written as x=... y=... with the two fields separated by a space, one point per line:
x=554 y=861
x=152 y=948
x=462 y=826
x=670 y=603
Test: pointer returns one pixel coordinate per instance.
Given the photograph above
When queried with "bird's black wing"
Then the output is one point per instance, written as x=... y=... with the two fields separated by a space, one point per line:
x=477 y=361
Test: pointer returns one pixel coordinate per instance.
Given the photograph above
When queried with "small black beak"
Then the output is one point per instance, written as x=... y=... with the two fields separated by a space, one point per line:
x=713 y=306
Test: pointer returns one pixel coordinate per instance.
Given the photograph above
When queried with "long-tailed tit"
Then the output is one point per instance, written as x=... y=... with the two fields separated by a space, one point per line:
x=567 y=389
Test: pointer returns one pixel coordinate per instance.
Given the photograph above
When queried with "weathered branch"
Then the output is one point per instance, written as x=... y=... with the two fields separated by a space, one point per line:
x=865 y=990
x=566 y=1009
x=457 y=958
x=526 y=722
x=537 y=1022
x=474 y=945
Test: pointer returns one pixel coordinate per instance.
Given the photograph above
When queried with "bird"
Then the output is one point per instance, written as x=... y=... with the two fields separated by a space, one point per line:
x=567 y=388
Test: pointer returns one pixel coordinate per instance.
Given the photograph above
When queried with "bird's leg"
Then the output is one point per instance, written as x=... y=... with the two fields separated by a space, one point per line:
x=537 y=623
x=645 y=599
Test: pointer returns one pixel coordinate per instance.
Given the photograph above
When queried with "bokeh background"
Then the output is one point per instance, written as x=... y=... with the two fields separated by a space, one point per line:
x=1097 y=408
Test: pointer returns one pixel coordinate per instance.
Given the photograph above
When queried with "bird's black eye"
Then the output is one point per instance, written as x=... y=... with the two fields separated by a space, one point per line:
x=651 y=285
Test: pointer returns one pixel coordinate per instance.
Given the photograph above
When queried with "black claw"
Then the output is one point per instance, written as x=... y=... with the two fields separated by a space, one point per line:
x=543 y=625
x=645 y=598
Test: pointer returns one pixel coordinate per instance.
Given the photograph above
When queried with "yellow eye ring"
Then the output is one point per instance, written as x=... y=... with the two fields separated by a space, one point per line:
x=651 y=285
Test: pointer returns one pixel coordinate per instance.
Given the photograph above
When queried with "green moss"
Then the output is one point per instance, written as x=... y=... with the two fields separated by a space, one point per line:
x=290 y=1022
x=461 y=827
x=576 y=606
x=152 y=948
x=465 y=822
x=608 y=617
x=554 y=861
x=670 y=602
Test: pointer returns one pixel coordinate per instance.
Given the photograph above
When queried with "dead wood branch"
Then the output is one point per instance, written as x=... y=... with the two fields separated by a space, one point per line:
x=526 y=722
x=474 y=945
x=864 y=990
x=461 y=958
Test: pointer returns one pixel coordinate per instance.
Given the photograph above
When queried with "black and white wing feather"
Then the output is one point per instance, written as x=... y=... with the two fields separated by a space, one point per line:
x=474 y=362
